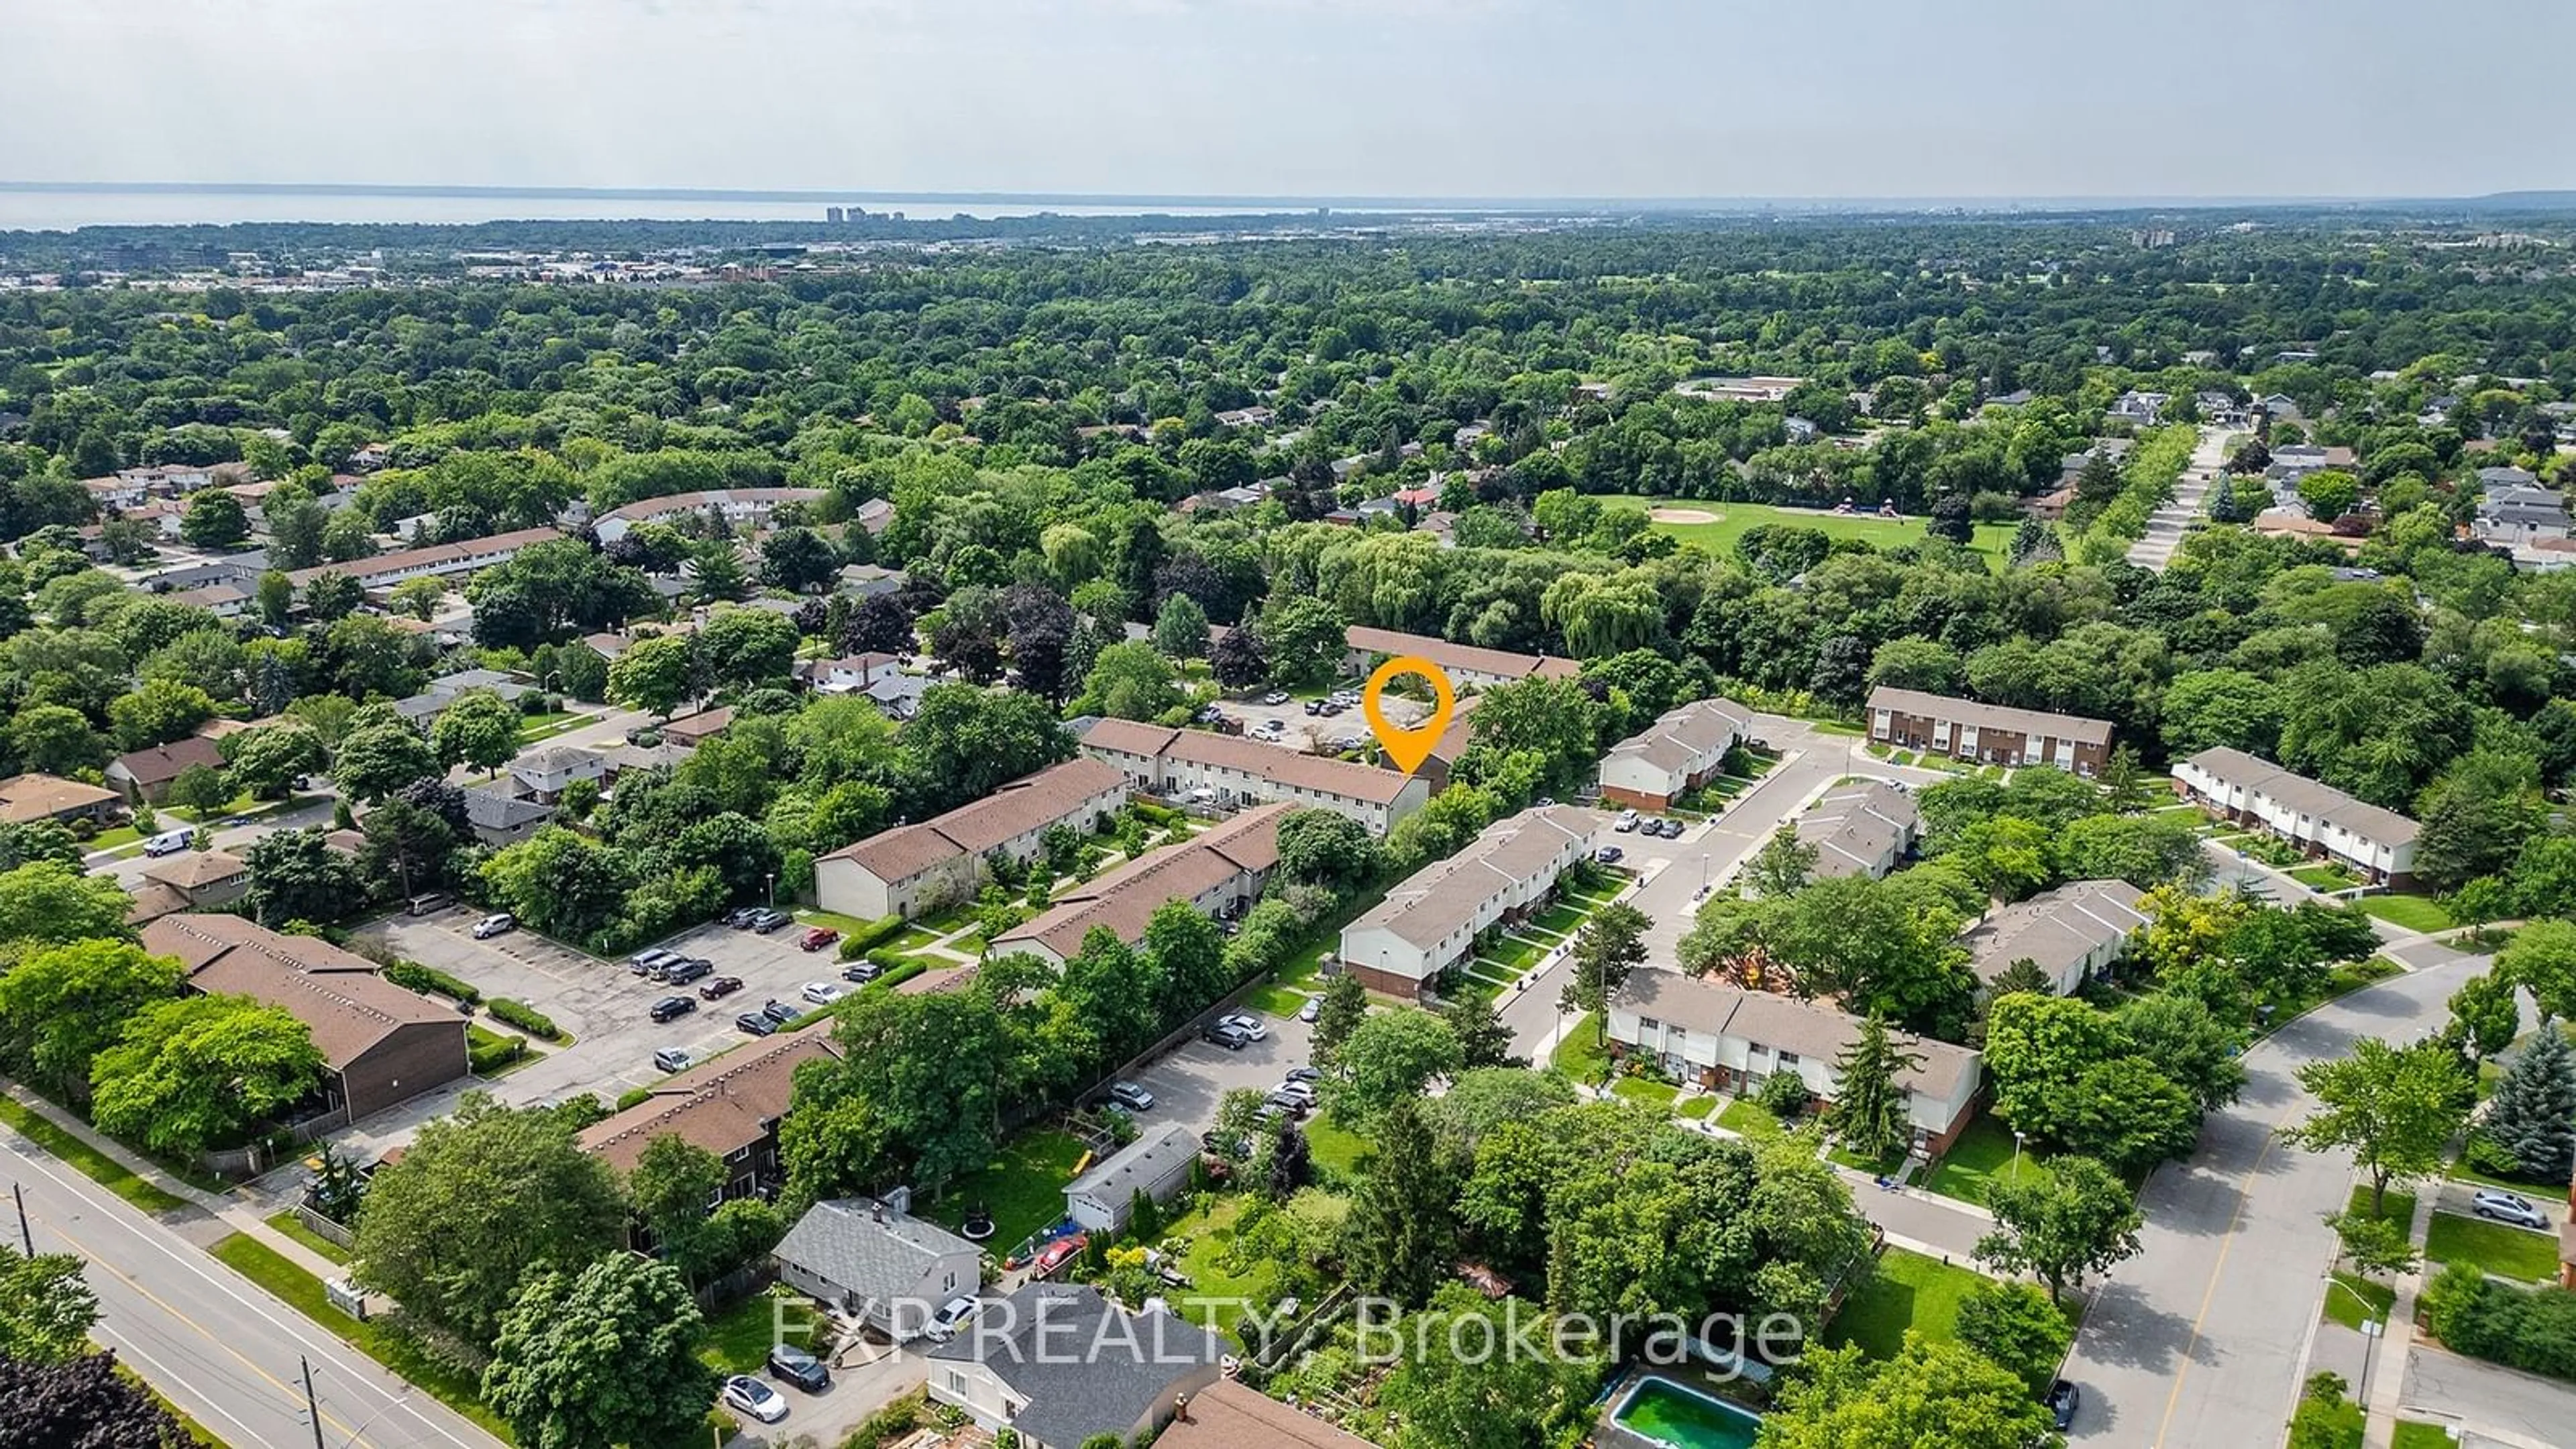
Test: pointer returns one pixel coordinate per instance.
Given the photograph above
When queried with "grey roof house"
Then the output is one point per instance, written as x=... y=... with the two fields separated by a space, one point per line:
x=498 y=819
x=1157 y=1164
x=1057 y=1364
x=876 y=1261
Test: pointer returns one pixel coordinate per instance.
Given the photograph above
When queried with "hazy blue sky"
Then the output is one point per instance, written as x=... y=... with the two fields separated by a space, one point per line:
x=1417 y=97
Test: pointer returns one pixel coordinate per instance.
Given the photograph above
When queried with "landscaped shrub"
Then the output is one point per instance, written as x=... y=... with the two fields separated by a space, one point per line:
x=633 y=1095
x=875 y=933
x=525 y=1017
x=2478 y=1316
x=485 y=1058
x=1783 y=1095
x=428 y=980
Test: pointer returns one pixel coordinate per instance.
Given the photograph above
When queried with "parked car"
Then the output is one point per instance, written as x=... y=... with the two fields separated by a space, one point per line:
x=1276 y=696
x=1669 y=828
x=862 y=972
x=168 y=842
x=1304 y=1074
x=768 y=921
x=1290 y=1103
x=1229 y=1037
x=749 y=1395
x=1313 y=1008
x=1609 y=855
x=681 y=973
x=494 y=924
x=1626 y=822
x=720 y=988
x=672 y=1008
x=781 y=1012
x=1302 y=1091
x=824 y=993
x=2507 y=1207
x=1053 y=1255
x=755 y=1023
x=796 y=1366
x=1247 y=1023
x=952 y=1316
x=1131 y=1096
x=1314 y=706
x=672 y=1059
x=643 y=963
x=740 y=916
x=2063 y=1399
x=817 y=938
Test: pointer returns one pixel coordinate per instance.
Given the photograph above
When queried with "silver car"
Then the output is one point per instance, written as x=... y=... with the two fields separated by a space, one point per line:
x=2507 y=1207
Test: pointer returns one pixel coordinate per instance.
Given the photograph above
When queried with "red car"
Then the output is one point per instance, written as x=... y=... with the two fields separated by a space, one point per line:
x=1055 y=1254
x=818 y=938
x=720 y=988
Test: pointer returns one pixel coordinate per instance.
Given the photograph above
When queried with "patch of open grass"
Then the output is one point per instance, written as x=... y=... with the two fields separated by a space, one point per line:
x=1579 y=1053
x=91 y=1163
x=1748 y=1118
x=1734 y=520
x=303 y=1292
x=1023 y=1187
x=1907 y=1291
x=1980 y=1159
x=1276 y=1000
x=2324 y=877
x=292 y=1226
x=1336 y=1148
x=2351 y=1298
x=1647 y=1091
x=2417 y=1434
x=739 y=1339
x=2507 y=1252
x=1696 y=1108
x=2408 y=911
x=2398 y=1211
x=817 y=916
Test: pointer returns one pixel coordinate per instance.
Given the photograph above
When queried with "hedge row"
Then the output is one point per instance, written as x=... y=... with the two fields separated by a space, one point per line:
x=894 y=976
x=429 y=980
x=875 y=933
x=525 y=1017
x=2478 y=1316
x=488 y=1057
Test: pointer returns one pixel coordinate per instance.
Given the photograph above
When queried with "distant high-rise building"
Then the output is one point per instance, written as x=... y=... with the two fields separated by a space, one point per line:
x=835 y=215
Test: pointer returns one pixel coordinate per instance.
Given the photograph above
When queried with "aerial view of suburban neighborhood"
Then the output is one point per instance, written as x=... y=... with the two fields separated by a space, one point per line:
x=1433 y=811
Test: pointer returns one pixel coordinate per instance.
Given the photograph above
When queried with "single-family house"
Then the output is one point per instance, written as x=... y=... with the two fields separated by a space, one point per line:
x=545 y=771
x=144 y=776
x=25 y=799
x=1861 y=829
x=876 y=515
x=2072 y=933
x=1226 y=1415
x=1219 y=872
x=381 y=1045
x=1465 y=664
x=1058 y=1364
x=1430 y=922
x=1158 y=1164
x=499 y=818
x=1231 y=769
x=867 y=581
x=1728 y=1039
x=696 y=729
x=1993 y=734
x=2319 y=819
x=1682 y=750
x=872 y=1260
x=2146 y=409
x=204 y=878
x=730 y=1105
x=912 y=869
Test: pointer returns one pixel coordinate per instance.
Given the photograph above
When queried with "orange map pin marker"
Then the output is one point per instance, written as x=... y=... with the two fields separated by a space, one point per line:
x=1408 y=747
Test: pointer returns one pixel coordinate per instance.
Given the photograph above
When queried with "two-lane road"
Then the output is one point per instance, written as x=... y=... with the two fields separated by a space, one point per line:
x=222 y=1350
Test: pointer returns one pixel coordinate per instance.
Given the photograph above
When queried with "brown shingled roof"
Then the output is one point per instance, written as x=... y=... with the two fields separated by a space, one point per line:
x=1226 y=1415
x=1125 y=899
x=721 y=1105
x=972 y=829
x=1505 y=662
x=338 y=995
x=162 y=763
x=1270 y=762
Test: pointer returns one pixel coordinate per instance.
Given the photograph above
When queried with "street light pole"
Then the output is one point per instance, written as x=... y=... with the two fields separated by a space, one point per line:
x=25 y=1237
x=2016 y=1155
x=312 y=1406
x=772 y=890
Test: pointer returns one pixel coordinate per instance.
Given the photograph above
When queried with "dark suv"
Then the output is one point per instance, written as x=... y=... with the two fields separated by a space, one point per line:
x=672 y=1008
x=681 y=973
x=1232 y=1038
x=796 y=1366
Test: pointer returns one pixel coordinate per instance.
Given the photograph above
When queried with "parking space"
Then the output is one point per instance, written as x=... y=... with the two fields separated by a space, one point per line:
x=602 y=1003
x=1189 y=1082
x=1308 y=732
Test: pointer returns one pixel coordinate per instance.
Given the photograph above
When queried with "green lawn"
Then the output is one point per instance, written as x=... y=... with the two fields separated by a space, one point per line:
x=1982 y=1157
x=1696 y=1107
x=739 y=1339
x=302 y=1291
x=2398 y=1210
x=1515 y=957
x=2350 y=1298
x=1335 y=1148
x=292 y=1226
x=91 y=1163
x=1276 y=1000
x=2417 y=1434
x=2411 y=912
x=545 y=726
x=2493 y=1247
x=1836 y=727
x=1646 y=1090
x=2324 y=877
x=1908 y=1290
x=817 y=916
x=1734 y=520
x=1023 y=1187
x=1747 y=1118
x=1579 y=1053
x=1562 y=919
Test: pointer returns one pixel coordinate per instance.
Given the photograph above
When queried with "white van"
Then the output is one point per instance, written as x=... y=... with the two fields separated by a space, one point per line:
x=168 y=842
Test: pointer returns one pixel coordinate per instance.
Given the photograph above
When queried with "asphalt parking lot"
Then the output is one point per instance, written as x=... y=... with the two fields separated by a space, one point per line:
x=1189 y=1081
x=1303 y=729
x=602 y=1003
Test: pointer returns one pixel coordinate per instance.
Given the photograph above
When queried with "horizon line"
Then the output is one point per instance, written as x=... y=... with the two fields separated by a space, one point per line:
x=1255 y=201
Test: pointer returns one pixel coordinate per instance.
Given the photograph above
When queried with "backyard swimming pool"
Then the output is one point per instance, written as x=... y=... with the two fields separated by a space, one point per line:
x=1670 y=1413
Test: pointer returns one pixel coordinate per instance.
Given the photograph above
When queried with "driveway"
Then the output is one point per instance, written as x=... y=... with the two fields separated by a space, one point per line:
x=2201 y=1339
x=1190 y=1080
x=865 y=1378
x=2535 y=1412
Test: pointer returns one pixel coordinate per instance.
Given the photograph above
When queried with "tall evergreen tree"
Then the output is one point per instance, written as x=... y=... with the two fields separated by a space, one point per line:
x=1400 y=1234
x=1869 y=1107
x=2533 y=1114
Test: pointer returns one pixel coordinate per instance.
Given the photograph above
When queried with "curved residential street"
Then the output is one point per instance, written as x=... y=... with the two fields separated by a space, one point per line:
x=2202 y=1340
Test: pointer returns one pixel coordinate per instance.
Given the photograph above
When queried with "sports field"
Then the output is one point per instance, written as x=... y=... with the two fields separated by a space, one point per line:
x=1716 y=526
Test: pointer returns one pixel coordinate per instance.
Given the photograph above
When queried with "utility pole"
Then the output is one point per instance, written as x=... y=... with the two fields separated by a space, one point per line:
x=312 y=1406
x=25 y=1237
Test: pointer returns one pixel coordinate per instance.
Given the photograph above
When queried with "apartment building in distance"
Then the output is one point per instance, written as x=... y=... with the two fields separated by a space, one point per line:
x=741 y=507
x=2318 y=818
x=1987 y=734
x=1176 y=763
x=1465 y=664
x=2071 y=933
x=1728 y=1039
x=1430 y=922
x=438 y=560
x=1682 y=750
x=916 y=868
x=1219 y=872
